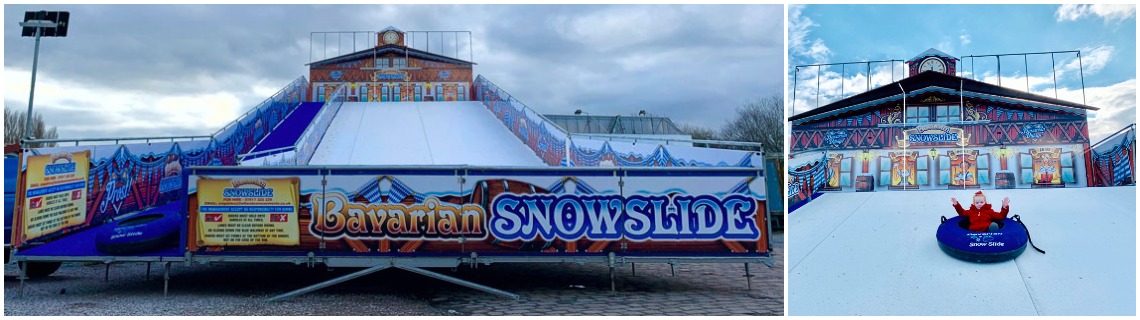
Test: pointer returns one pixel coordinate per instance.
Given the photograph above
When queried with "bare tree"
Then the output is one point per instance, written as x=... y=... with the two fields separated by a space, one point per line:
x=759 y=121
x=14 y=125
x=698 y=132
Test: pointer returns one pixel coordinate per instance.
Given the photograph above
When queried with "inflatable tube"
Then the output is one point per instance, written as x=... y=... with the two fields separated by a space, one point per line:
x=1006 y=243
x=146 y=232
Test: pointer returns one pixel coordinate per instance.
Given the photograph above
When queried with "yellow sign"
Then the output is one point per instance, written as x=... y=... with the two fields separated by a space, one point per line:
x=248 y=212
x=56 y=195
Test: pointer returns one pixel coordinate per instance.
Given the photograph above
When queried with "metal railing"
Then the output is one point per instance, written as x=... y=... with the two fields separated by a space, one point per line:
x=694 y=142
x=300 y=82
x=121 y=139
x=306 y=144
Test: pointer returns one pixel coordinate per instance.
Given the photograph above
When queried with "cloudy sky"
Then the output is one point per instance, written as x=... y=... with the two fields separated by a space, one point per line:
x=1104 y=34
x=145 y=70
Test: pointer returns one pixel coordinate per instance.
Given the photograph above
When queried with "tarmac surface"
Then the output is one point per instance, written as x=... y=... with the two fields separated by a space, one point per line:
x=545 y=289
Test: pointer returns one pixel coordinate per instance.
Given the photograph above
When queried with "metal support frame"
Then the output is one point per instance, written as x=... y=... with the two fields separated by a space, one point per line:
x=379 y=267
x=107 y=272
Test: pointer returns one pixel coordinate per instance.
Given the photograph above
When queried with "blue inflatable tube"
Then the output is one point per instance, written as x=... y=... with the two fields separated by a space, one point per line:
x=148 y=231
x=1006 y=243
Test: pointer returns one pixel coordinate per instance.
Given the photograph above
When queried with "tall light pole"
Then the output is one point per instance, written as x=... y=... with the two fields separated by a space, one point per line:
x=41 y=24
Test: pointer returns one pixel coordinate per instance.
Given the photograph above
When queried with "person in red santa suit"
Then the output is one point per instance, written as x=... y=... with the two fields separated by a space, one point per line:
x=981 y=215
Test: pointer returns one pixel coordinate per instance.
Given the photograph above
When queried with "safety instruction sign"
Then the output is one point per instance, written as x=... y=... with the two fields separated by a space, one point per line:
x=248 y=212
x=56 y=196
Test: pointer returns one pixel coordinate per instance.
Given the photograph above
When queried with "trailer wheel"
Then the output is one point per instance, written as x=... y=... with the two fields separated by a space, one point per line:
x=40 y=269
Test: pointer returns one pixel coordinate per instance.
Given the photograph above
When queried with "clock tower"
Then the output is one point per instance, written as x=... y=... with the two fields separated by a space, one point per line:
x=390 y=35
x=932 y=59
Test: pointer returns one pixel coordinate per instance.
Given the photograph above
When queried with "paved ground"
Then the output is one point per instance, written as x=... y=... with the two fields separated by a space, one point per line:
x=546 y=289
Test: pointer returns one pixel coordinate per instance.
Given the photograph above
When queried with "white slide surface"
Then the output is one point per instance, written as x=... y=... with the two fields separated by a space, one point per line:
x=420 y=133
x=875 y=253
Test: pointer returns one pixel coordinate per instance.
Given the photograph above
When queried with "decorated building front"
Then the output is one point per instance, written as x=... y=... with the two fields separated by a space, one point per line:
x=935 y=130
x=392 y=72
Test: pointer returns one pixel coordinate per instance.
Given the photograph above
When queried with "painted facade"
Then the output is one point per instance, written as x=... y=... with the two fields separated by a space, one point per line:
x=953 y=133
x=392 y=72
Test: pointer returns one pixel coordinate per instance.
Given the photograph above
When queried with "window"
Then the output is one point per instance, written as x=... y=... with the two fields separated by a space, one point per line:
x=439 y=93
x=924 y=114
x=384 y=93
x=364 y=93
x=396 y=93
x=419 y=93
x=382 y=63
x=462 y=94
x=399 y=63
x=947 y=113
x=321 y=94
x=918 y=114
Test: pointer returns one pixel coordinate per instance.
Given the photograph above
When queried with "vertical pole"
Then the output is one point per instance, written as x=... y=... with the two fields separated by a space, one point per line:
x=633 y=268
x=868 y=77
x=613 y=281
x=999 y=69
x=892 y=70
x=148 y=271
x=31 y=93
x=1025 y=59
x=817 y=70
x=1082 y=65
x=748 y=276
x=1054 y=61
x=166 y=280
x=972 y=74
x=107 y=272
x=795 y=80
x=842 y=73
x=672 y=270
x=23 y=277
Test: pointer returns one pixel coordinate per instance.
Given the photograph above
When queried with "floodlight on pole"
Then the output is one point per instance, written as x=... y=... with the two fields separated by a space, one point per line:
x=41 y=24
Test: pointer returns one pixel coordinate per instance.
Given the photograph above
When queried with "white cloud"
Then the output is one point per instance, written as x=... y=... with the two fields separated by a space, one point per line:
x=1093 y=59
x=799 y=28
x=964 y=39
x=1108 y=12
x=80 y=111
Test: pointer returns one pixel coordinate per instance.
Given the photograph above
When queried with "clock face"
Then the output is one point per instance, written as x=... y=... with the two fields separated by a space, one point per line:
x=391 y=37
x=932 y=64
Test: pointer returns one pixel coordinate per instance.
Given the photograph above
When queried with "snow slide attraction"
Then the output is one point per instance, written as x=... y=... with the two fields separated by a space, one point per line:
x=420 y=133
x=875 y=253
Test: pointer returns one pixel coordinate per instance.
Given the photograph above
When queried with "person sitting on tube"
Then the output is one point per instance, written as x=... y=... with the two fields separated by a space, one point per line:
x=981 y=215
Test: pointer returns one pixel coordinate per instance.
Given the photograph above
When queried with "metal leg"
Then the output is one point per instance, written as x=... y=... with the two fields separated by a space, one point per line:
x=748 y=276
x=633 y=268
x=613 y=281
x=671 y=270
x=166 y=280
x=148 y=271
x=458 y=281
x=331 y=282
x=107 y=272
x=23 y=278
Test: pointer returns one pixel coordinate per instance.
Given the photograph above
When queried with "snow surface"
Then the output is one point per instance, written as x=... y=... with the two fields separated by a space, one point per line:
x=420 y=133
x=875 y=253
